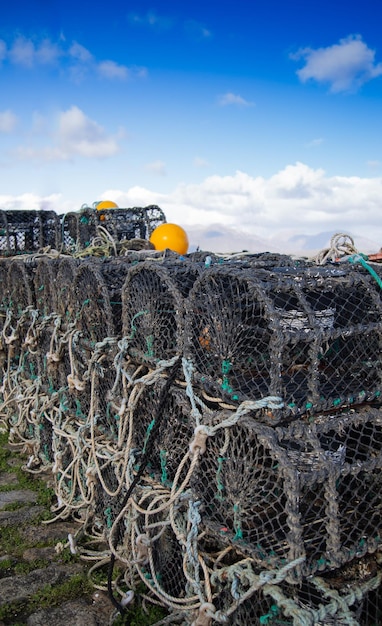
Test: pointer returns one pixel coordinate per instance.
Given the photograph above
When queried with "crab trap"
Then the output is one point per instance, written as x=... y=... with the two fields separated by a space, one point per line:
x=25 y=232
x=306 y=490
x=153 y=303
x=350 y=596
x=311 y=336
x=114 y=367
x=79 y=229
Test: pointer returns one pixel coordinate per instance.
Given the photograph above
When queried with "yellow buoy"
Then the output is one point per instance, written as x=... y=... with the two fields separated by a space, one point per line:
x=170 y=236
x=106 y=204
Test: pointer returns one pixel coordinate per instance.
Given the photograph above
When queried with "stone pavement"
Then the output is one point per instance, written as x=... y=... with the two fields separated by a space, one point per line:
x=38 y=586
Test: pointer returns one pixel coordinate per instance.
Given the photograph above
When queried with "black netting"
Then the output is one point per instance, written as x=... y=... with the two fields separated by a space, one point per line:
x=49 y=323
x=124 y=224
x=310 y=336
x=171 y=444
x=3 y=291
x=246 y=509
x=281 y=493
x=92 y=304
x=20 y=286
x=64 y=289
x=114 y=273
x=153 y=309
x=25 y=232
x=45 y=285
x=78 y=230
x=67 y=316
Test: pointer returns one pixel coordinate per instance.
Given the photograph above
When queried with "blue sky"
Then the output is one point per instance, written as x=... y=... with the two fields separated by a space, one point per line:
x=260 y=118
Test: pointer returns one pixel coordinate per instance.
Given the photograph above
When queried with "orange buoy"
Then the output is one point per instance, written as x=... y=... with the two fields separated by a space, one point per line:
x=170 y=236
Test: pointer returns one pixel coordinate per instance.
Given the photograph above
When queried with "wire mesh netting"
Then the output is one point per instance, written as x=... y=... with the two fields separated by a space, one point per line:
x=311 y=336
x=78 y=230
x=153 y=308
x=289 y=492
x=134 y=223
x=214 y=423
x=27 y=231
x=4 y=291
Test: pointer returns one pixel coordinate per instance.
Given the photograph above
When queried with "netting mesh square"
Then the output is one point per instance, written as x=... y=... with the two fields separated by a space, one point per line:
x=306 y=490
x=25 y=232
x=153 y=309
x=112 y=370
x=311 y=336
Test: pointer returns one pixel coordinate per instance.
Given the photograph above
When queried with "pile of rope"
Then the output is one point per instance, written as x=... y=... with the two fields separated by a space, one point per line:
x=153 y=391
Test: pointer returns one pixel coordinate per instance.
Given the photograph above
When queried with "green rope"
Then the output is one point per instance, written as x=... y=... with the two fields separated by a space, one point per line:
x=163 y=456
x=134 y=328
x=219 y=482
x=358 y=258
x=149 y=429
x=237 y=522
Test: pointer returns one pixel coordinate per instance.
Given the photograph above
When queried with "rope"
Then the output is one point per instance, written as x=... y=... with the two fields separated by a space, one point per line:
x=358 y=258
x=340 y=245
x=142 y=467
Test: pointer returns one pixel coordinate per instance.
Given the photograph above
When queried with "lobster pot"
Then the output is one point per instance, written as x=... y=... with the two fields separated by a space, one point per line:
x=107 y=503
x=25 y=232
x=20 y=286
x=45 y=285
x=310 y=336
x=93 y=319
x=65 y=301
x=270 y=260
x=262 y=260
x=43 y=432
x=153 y=216
x=161 y=568
x=339 y=600
x=3 y=291
x=311 y=491
x=23 y=315
x=4 y=236
x=153 y=309
x=114 y=272
x=124 y=224
x=70 y=453
x=371 y=607
x=78 y=230
x=67 y=314
x=49 y=322
x=92 y=303
x=171 y=443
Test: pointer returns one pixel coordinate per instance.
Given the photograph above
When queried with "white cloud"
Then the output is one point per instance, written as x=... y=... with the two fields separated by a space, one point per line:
x=23 y=52
x=80 y=53
x=231 y=98
x=110 y=69
x=196 y=30
x=345 y=66
x=157 y=167
x=33 y=202
x=75 y=58
x=47 y=53
x=26 y=53
x=297 y=197
x=151 y=19
x=296 y=202
x=80 y=135
x=75 y=135
x=8 y=121
x=3 y=50
x=200 y=163
x=315 y=142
